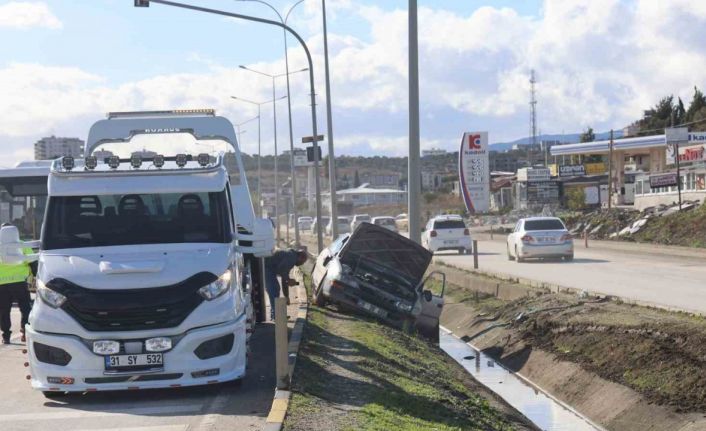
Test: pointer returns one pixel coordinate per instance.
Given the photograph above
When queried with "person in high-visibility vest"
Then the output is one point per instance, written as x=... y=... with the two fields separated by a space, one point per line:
x=13 y=287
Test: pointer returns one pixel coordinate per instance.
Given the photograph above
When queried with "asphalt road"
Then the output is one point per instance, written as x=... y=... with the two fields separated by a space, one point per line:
x=671 y=277
x=212 y=408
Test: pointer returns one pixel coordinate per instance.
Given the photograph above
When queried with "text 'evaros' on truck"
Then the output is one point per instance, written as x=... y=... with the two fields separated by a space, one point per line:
x=148 y=270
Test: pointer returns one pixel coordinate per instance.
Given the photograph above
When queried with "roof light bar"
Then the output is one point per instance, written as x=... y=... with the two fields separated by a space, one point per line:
x=90 y=162
x=67 y=162
x=173 y=112
x=113 y=162
x=135 y=161
x=158 y=161
x=203 y=159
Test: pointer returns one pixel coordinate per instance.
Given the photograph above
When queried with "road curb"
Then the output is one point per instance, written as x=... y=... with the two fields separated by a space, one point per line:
x=280 y=403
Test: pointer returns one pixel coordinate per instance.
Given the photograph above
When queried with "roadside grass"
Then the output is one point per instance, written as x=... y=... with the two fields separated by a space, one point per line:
x=356 y=374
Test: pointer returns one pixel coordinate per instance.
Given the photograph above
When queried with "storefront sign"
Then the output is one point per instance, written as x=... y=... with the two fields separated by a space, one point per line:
x=595 y=168
x=663 y=180
x=687 y=153
x=542 y=192
x=473 y=172
x=533 y=174
x=572 y=171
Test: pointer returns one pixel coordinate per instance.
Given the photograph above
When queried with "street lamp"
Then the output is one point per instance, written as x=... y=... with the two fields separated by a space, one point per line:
x=274 y=114
x=329 y=116
x=312 y=92
x=259 y=142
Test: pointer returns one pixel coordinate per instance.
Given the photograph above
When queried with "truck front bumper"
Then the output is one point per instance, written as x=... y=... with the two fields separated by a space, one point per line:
x=87 y=372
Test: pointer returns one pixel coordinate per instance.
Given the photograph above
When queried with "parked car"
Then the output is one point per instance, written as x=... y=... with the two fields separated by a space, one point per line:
x=324 y=220
x=305 y=222
x=380 y=273
x=386 y=222
x=540 y=237
x=343 y=226
x=402 y=222
x=358 y=219
x=447 y=232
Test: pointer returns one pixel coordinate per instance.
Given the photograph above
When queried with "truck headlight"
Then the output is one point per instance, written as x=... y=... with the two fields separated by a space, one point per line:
x=50 y=297
x=158 y=344
x=106 y=347
x=217 y=288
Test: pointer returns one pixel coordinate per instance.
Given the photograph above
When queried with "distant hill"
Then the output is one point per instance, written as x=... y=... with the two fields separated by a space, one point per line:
x=569 y=137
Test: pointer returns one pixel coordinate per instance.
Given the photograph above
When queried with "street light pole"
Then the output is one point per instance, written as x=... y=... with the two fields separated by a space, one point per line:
x=314 y=131
x=329 y=122
x=289 y=111
x=414 y=174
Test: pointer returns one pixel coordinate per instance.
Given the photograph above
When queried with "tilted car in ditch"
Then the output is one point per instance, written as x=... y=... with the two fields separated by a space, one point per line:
x=380 y=273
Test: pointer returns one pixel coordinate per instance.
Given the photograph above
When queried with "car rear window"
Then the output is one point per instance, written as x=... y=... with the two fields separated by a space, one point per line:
x=551 y=224
x=449 y=224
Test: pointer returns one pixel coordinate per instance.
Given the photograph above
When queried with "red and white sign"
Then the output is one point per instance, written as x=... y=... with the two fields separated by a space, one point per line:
x=473 y=171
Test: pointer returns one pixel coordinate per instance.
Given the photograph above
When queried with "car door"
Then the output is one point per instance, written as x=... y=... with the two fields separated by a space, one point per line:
x=432 y=305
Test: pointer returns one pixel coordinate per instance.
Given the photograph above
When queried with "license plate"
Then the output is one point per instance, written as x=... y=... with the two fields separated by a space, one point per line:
x=450 y=242
x=371 y=308
x=123 y=361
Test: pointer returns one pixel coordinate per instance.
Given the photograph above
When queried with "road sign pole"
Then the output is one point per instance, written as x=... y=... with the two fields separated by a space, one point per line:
x=414 y=172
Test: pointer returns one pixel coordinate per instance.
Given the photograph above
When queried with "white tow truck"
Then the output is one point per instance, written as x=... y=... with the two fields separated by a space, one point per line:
x=149 y=269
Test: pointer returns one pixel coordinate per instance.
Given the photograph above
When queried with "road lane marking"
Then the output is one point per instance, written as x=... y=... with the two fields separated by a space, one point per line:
x=73 y=414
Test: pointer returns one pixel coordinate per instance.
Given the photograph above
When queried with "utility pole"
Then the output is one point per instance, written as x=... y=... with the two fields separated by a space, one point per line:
x=676 y=159
x=533 y=110
x=414 y=188
x=329 y=122
x=610 y=171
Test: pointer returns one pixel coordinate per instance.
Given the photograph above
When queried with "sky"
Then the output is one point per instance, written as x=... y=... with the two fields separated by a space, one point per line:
x=599 y=63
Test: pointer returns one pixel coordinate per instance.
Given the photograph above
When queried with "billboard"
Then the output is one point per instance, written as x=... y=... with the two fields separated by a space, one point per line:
x=473 y=172
x=572 y=171
x=663 y=180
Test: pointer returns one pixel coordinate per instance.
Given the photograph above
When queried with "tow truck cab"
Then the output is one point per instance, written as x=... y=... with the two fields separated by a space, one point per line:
x=148 y=270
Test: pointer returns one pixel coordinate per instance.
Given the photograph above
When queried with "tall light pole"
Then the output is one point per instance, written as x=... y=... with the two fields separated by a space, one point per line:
x=259 y=145
x=289 y=111
x=329 y=122
x=414 y=186
x=274 y=115
x=312 y=94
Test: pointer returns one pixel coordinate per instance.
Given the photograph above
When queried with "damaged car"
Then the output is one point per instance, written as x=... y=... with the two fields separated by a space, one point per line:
x=380 y=273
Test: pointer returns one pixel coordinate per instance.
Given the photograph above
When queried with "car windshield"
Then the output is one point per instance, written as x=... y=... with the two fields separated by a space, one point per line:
x=128 y=219
x=449 y=224
x=547 y=224
x=362 y=218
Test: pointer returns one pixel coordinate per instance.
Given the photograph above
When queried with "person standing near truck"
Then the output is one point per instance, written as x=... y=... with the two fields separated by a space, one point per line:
x=13 y=287
x=279 y=264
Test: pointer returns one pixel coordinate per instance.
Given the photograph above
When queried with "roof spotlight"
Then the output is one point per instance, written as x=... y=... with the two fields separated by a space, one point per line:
x=203 y=159
x=135 y=161
x=90 y=162
x=181 y=160
x=113 y=162
x=158 y=160
x=67 y=162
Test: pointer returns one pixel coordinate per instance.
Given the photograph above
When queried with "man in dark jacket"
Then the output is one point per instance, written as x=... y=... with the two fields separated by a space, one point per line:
x=279 y=264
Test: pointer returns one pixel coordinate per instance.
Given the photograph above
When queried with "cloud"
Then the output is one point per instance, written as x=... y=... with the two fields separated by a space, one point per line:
x=599 y=63
x=24 y=15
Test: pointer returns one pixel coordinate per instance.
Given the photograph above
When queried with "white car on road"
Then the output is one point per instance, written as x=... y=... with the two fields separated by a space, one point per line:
x=343 y=226
x=540 y=237
x=447 y=232
x=358 y=219
x=386 y=222
x=305 y=222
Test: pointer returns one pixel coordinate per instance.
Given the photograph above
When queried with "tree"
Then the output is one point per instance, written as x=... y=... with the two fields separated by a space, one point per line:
x=576 y=198
x=588 y=135
x=698 y=102
x=356 y=179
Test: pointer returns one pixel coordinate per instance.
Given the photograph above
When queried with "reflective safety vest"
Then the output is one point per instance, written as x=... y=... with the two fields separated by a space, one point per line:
x=16 y=273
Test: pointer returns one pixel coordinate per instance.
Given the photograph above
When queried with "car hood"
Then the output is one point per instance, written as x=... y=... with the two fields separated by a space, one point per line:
x=133 y=267
x=389 y=249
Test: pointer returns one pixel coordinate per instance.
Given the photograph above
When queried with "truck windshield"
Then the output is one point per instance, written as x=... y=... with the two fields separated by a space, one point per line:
x=107 y=220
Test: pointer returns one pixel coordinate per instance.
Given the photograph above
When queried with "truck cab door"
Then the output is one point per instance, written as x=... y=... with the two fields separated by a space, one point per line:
x=427 y=322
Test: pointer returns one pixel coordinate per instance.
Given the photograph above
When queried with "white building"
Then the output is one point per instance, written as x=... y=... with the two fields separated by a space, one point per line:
x=52 y=147
x=431 y=181
x=366 y=195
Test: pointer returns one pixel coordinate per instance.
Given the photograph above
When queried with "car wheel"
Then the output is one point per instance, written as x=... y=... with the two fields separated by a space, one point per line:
x=319 y=298
x=461 y=251
x=509 y=256
x=569 y=258
x=518 y=259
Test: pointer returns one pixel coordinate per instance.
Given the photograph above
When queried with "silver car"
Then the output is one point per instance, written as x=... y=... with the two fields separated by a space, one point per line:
x=540 y=237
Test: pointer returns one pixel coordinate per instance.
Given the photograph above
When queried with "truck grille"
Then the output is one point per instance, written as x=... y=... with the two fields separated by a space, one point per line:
x=132 y=309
